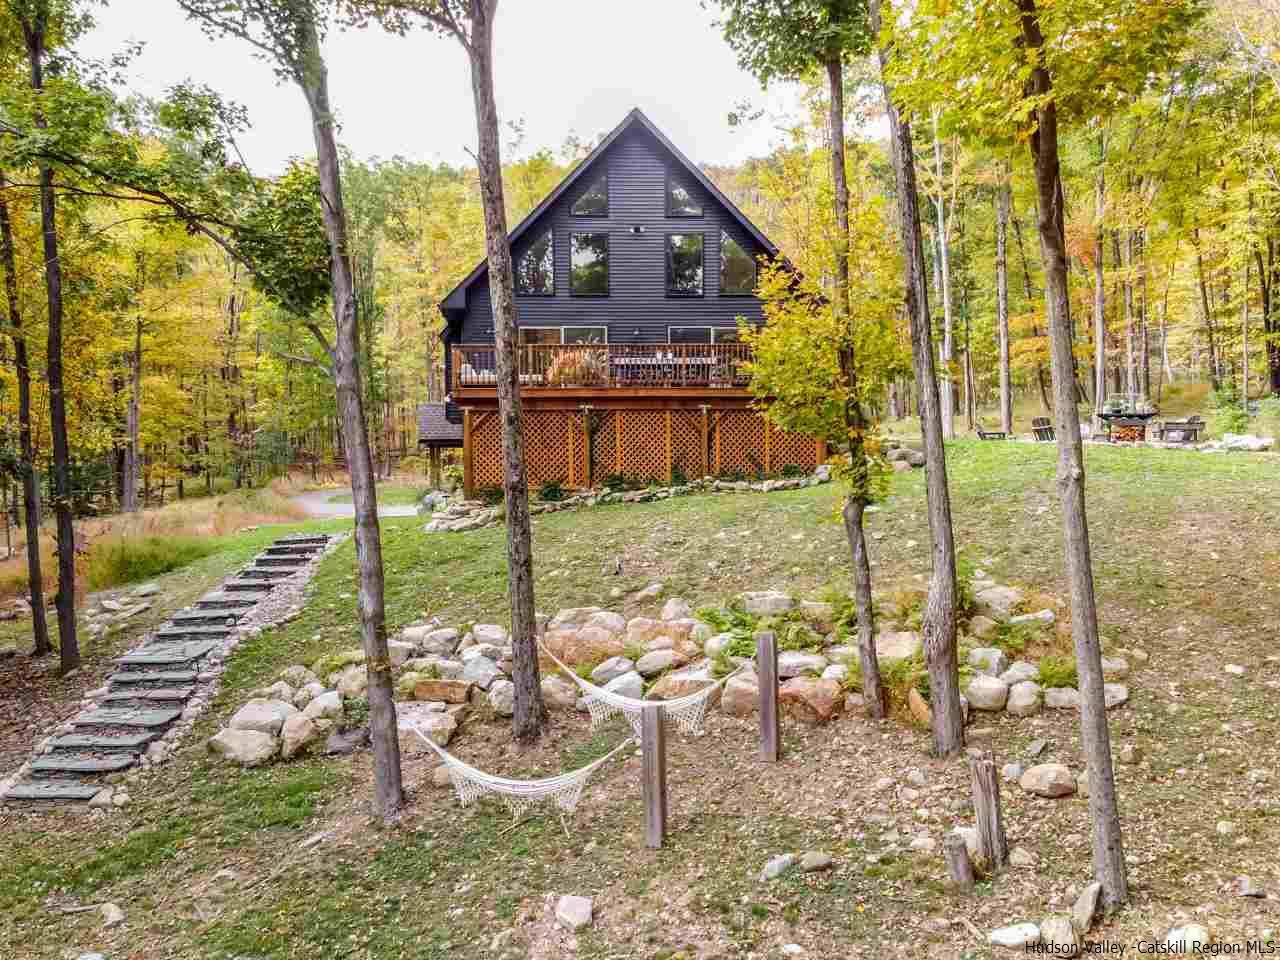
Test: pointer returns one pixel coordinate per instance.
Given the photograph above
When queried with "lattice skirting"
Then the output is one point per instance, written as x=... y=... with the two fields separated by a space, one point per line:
x=580 y=449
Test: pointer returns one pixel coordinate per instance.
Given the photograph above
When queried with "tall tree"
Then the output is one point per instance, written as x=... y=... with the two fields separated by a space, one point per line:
x=38 y=18
x=1004 y=190
x=26 y=449
x=471 y=24
x=939 y=621
x=287 y=34
x=791 y=41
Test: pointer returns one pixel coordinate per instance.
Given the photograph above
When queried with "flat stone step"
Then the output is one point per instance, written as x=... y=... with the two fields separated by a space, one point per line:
x=129 y=678
x=225 y=601
x=126 y=717
x=146 y=695
x=294 y=549
x=171 y=654
x=247 y=584
x=320 y=538
x=71 y=766
x=120 y=743
x=192 y=632
x=51 y=790
x=264 y=573
x=209 y=618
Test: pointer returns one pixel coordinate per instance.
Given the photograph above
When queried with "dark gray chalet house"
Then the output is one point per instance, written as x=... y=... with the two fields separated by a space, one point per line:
x=631 y=279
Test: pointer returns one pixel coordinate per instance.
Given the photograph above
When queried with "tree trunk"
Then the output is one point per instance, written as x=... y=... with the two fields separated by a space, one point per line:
x=1130 y=366
x=30 y=480
x=944 y=268
x=33 y=29
x=1108 y=848
x=859 y=487
x=129 y=496
x=1099 y=290
x=388 y=789
x=1029 y=292
x=1003 y=201
x=530 y=712
x=1244 y=342
x=1214 y=376
x=939 y=622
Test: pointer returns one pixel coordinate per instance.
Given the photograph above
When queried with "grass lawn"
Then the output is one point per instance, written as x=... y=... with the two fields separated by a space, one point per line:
x=213 y=862
x=390 y=495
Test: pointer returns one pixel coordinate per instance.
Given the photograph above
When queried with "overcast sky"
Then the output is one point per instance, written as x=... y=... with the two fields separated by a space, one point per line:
x=562 y=66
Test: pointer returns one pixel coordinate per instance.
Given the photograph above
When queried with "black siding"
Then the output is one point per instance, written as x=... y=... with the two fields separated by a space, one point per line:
x=637 y=308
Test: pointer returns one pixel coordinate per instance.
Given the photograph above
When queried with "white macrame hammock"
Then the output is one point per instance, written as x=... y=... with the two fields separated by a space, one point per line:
x=686 y=713
x=563 y=790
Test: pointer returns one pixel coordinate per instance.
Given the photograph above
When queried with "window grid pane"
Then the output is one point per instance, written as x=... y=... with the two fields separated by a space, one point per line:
x=737 y=267
x=589 y=264
x=535 y=269
x=594 y=202
x=684 y=264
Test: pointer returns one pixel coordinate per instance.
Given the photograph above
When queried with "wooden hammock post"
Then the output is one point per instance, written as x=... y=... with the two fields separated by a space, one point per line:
x=767 y=671
x=653 y=748
x=959 y=868
x=992 y=845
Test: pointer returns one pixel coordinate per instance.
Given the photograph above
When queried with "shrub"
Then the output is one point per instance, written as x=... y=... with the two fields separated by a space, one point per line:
x=1227 y=413
x=551 y=490
x=1268 y=420
x=1013 y=638
x=120 y=560
x=966 y=601
x=1057 y=671
x=492 y=494
x=793 y=470
x=333 y=662
x=678 y=478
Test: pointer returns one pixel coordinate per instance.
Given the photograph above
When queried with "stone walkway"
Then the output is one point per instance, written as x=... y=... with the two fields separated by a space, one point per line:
x=167 y=677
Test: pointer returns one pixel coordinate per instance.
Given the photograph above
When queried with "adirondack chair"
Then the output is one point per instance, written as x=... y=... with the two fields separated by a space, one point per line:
x=991 y=434
x=1042 y=428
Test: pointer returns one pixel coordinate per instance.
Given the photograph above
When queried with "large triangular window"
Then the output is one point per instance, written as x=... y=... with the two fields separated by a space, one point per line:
x=594 y=201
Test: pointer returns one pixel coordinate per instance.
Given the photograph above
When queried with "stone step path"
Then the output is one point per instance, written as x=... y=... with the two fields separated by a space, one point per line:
x=153 y=683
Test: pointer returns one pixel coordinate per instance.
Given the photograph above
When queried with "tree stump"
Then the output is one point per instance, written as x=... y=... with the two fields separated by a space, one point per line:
x=959 y=867
x=992 y=845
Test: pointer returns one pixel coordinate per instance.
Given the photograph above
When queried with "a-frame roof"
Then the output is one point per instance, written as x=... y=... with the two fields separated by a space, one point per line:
x=456 y=298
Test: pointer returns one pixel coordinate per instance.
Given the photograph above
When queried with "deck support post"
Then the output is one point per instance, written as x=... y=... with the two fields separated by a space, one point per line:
x=706 y=440
x=670 y=462
x=468 y=450
x=767 y=671
x=653 y=749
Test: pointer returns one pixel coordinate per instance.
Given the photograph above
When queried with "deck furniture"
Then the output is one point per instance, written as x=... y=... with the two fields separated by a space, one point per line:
x=1042 y=429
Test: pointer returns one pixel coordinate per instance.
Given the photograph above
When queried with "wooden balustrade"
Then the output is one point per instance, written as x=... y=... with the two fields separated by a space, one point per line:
x=604 y=366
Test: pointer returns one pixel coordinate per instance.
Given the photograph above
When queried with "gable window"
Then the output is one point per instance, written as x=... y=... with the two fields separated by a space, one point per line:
x=702 y=335
x=594 y=201
x=535 y=269
x=589 y=264
x=684 y=264
x=737 y=267
x=681 y=201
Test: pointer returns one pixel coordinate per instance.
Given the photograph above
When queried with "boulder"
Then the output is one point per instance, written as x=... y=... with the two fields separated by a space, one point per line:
x=297 y=676
x=988 y=660
x=1188 y=940
x=325 y=706
x=245 y=747
x=481 y=671
x=629 y=684
x=502 y=697
x=651 y=592
x=574 y=913
x=838 y=672
x=1016 y=936
x=1115 y=694
x=820 y=615
x=607 y=620
x=1062 y=698
x=1022 y=857
x=716 y=645
x=656 y=661
x=676 y=609
x=447 y=691
x=264 y=716
x=796 y=663
x=810 y=700
x=306 y=693
x=1044 y=617
x=741 y=696
x=1024 y=699
x=296 y=735
x=398 y=651
x=815 y=860
x=1114 y=668
x=1059 y=934
x=898 y=646
x=981 y=627
x=1011 y=772
x=352 y=681
x=776 y=866
x=613 y=667
x=767 y=603
x=558 y=693
x=492 y=651
x=436 y=726
x=576 y=645
x=997 y=601
x=489 y=633
x=573 y=617
x=987 y=693
x=1049 y=780
x=427 y=639
x=1020 y=670
x=919 y=707
x=1086 y=907
x=681 y=683
x=435 y=665
x=277 y=691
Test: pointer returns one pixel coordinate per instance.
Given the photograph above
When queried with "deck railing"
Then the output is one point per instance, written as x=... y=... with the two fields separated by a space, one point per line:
x=609 y=366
